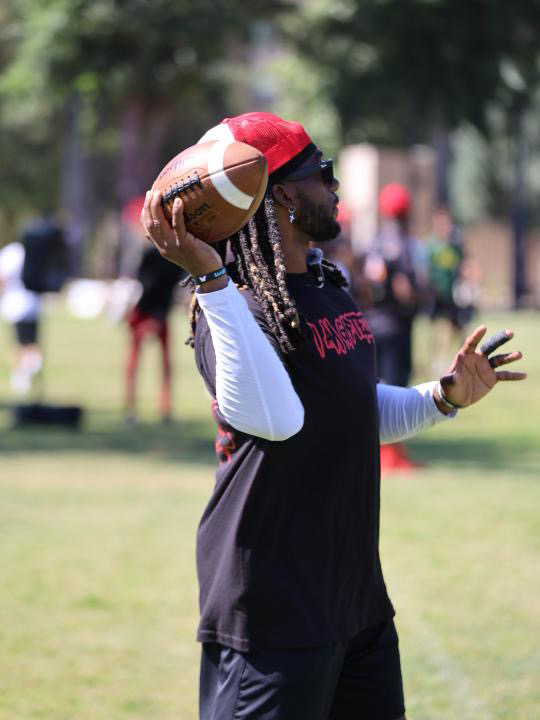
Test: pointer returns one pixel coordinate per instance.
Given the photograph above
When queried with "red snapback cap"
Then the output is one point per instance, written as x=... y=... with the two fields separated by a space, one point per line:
x=280 y=141
x=394 y=200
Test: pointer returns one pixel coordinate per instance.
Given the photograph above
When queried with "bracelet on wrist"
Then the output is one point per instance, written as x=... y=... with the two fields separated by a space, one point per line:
x=214 y=275
x=445 y=401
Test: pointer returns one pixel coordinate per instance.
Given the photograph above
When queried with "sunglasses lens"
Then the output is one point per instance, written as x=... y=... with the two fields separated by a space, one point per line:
x=325 y=167
x=327 y=173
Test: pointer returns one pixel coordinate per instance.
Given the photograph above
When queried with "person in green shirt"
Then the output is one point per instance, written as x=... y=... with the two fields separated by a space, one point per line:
x=445 y=261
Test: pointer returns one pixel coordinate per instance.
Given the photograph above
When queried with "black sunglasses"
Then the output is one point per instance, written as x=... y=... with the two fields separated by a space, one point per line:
x=325 y=167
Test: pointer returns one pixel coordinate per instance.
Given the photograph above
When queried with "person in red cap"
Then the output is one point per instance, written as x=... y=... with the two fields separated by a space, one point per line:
x=394 y=201
x=295 y=621
x=392 y=272
x=149 y=319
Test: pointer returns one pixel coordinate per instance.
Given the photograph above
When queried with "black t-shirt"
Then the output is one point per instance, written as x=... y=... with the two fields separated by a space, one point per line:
x=158 y=278
x=287 y=548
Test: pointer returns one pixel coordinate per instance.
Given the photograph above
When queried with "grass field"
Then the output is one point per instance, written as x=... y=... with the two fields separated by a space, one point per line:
x=98 y=607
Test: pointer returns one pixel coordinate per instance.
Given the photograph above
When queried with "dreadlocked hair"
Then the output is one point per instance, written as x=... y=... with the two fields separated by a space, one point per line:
x=260 y=266
x=260 y=261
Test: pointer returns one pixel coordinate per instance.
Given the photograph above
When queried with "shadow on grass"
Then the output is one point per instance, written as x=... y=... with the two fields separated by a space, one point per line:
x=476 y=453
x=193 y=441
x=102 y=432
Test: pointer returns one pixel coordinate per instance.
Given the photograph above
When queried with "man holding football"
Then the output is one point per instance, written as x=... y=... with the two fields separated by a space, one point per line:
x=296 y=623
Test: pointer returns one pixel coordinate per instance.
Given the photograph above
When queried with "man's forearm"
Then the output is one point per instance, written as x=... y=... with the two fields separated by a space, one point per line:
x=404 y=412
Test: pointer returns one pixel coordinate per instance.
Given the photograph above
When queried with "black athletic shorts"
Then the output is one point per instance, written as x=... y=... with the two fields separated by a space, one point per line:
x=26 y=332
x=355 y=680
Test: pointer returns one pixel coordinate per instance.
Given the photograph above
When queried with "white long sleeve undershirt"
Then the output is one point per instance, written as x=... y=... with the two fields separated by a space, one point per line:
x=404 y=412
x=253 y=389
x=255 y=393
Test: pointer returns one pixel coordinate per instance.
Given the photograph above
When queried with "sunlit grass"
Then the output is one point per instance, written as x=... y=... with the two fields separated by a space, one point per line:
x=98 y=607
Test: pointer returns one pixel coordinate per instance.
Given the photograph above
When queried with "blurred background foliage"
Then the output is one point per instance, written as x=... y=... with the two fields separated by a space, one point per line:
x=96 y=95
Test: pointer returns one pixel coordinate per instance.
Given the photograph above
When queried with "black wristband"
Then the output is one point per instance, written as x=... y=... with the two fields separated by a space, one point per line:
x=200 y=279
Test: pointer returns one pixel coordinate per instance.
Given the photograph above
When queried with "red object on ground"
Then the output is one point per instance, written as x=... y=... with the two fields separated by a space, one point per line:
x=395 y=457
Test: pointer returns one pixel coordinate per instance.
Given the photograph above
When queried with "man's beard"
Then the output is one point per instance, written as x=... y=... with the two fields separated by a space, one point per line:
x=316 y=221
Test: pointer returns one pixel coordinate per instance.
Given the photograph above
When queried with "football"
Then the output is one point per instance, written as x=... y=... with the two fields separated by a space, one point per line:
x=221 y=183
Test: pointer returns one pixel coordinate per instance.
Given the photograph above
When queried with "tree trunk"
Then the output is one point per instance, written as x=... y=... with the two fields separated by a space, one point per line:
x=144 y=128
x=443 y=156
x=519 y=202
x=158 y=123
x=131 y=135
x=77 y=188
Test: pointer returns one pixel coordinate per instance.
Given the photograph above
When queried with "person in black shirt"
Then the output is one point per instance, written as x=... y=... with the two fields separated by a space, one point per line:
x=149 y=318
x=391 y=269
x=296 y=623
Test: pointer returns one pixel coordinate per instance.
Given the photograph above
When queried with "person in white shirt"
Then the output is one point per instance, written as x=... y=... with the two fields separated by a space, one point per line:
x=20 y=308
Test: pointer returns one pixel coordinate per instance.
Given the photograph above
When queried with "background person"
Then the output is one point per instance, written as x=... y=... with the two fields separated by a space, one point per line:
x=28 y=269
x=20 y=308
x=149 y=319
x=295 y=618
x=391 y=270
x=446 y=270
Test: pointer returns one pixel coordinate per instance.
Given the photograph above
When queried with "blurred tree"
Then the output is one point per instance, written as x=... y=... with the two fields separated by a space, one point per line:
x=118 y=85
x=418 y=65
x=408 y=71
x=101 y=92
x=27 y=135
